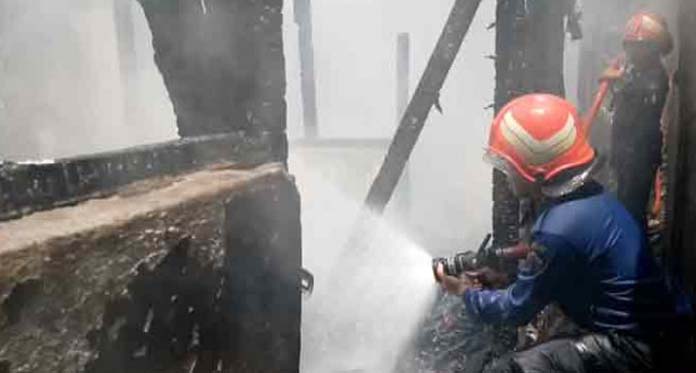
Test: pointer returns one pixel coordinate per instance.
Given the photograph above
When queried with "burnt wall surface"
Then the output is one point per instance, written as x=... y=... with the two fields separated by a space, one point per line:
x=222 y=63
x=30 y=187
x=684 y=179
x=530 y=39
x=193 y=273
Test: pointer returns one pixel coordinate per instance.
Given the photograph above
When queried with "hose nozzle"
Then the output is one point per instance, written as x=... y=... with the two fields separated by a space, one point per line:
x=456 y=265
x=463 y=262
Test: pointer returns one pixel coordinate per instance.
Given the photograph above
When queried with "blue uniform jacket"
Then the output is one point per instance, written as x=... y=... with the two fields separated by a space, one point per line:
x=593 y=260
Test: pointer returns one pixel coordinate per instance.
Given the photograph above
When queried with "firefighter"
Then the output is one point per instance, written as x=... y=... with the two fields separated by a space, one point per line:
x=587 y=254
x=640 y=92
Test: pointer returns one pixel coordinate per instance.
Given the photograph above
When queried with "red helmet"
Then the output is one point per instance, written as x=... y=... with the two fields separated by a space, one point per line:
x=651 y=28
x=539 y=135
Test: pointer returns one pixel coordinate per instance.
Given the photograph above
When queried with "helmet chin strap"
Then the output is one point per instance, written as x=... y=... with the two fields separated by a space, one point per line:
x=565 y=186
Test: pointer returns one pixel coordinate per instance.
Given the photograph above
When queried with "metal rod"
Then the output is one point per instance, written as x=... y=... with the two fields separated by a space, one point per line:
x=403 y=76
x=303 y=18
x=403 y=73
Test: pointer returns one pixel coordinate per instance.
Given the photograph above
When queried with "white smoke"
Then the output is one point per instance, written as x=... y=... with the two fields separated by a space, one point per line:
x=62 y=91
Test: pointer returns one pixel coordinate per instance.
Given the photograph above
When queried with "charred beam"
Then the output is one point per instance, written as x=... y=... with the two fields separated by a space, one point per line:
x=529 y=58
x=683 y=200
x=30 y=187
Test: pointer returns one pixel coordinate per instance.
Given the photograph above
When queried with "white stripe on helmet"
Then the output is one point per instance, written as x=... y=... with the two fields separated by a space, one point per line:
x=538 y=152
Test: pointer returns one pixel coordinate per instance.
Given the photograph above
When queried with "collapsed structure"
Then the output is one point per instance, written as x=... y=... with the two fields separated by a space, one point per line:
x=184 y=256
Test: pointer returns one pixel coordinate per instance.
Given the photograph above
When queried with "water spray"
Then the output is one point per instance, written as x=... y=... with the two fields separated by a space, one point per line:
x=462 y=262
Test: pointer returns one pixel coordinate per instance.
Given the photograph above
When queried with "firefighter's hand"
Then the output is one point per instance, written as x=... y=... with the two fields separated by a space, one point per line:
x=488 y=278
x=611 y=73
x=454 y=285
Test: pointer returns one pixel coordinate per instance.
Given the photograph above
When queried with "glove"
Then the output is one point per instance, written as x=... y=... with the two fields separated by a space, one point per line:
x=611 y=73
x=615 y=70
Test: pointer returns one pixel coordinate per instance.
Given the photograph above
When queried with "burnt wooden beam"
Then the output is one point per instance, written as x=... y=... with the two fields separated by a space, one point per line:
x=683 y=201
x=29 y=187
x=530 y=37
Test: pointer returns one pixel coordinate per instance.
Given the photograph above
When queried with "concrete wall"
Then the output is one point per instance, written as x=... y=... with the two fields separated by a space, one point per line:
x=683 y=201
x=171 y=274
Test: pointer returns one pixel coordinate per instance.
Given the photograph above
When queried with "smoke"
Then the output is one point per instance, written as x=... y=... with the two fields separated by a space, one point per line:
x=355 y=55
x=77 y=77
x=67 y=84
x=72 y=83
x=368 y=300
